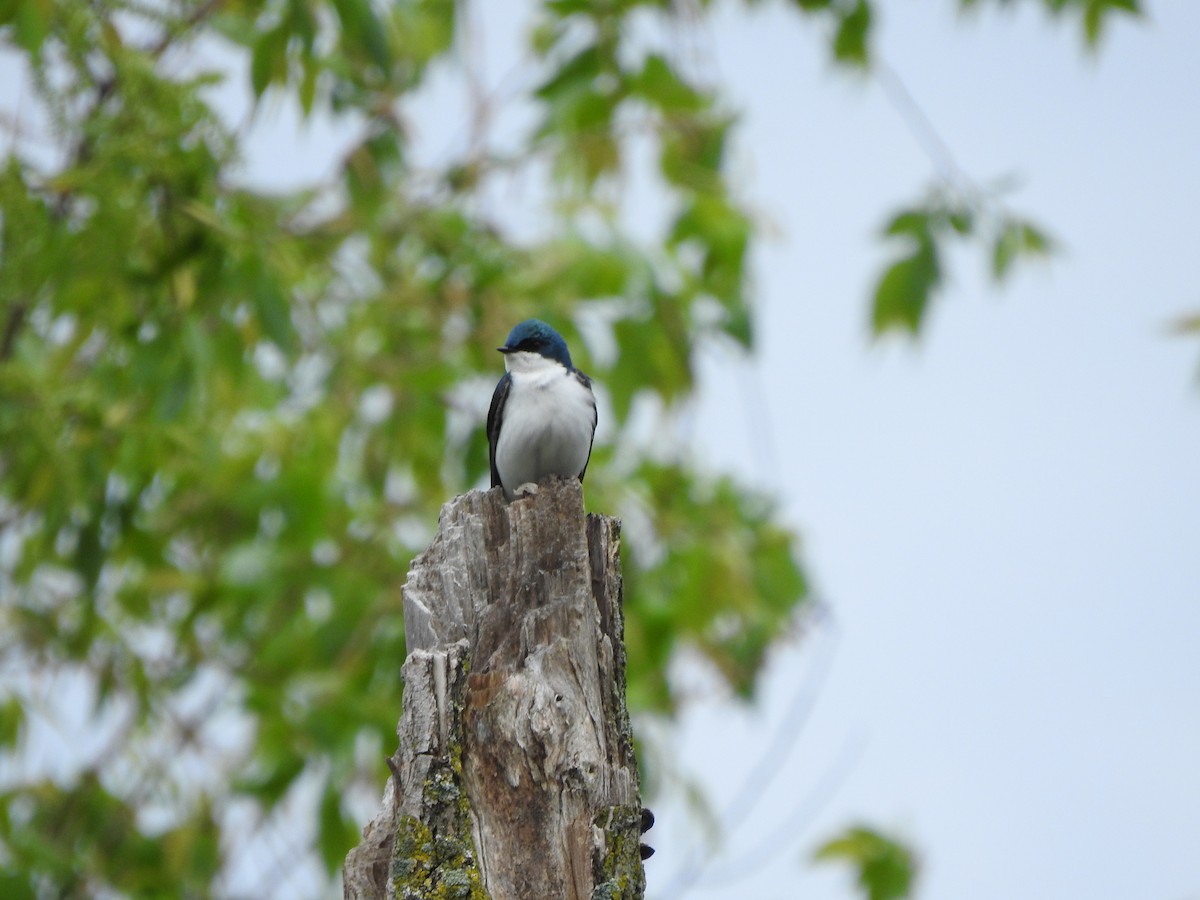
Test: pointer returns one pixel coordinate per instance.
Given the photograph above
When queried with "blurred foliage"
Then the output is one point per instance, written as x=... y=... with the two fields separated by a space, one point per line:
x=887 y=870
x=1187 y=325
x=1094 y=15
x=228 y=418
x=923 y=233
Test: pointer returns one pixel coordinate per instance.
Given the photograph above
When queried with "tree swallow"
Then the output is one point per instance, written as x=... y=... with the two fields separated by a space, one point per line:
x=543 y=413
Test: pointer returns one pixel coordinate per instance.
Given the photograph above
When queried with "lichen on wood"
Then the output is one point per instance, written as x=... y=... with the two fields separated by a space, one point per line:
x=515 y=776
x=619 y=872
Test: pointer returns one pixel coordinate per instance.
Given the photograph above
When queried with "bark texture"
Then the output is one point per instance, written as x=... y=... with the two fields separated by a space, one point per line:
x=515 y=776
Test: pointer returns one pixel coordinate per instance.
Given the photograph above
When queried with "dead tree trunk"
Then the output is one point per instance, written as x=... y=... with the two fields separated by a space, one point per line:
x=515 y=778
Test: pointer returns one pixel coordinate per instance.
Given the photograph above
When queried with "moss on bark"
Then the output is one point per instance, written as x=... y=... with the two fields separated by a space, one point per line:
x=619 y=874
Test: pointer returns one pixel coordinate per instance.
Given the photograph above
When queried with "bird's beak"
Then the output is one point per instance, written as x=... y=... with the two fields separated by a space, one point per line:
x=505 y=349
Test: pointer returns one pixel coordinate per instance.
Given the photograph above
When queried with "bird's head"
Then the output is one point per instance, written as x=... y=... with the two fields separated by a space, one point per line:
x=535 y=336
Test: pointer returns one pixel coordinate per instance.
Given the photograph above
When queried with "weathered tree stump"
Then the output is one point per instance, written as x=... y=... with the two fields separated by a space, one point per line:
x=515 y=777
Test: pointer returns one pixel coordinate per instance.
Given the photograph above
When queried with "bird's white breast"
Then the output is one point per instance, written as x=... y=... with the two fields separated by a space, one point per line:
x=549 y=418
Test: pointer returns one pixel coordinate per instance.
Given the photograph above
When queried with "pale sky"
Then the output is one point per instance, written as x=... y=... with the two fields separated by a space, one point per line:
x=1004 y=517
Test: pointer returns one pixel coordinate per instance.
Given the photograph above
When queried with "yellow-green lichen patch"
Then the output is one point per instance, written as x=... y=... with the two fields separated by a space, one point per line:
x=433 y=857
x=429 y=866
x=619 y=874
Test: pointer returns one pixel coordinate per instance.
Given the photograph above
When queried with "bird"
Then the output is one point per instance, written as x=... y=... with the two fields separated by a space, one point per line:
x=542 y=419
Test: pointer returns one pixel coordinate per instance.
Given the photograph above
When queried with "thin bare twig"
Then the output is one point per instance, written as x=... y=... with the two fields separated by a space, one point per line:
x=920 y=126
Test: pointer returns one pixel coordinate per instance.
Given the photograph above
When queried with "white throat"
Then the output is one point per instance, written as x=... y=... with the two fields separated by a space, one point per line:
x=528 y=362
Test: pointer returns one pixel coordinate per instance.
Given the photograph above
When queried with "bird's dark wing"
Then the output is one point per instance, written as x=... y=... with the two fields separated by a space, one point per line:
x=587 y=383
x=495 y=417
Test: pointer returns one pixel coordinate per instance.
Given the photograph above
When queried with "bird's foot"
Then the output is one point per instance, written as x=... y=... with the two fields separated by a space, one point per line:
x=528 y=489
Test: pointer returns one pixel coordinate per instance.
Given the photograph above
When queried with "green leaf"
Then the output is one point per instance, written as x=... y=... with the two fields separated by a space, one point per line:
x=268 y=61
x=31 y=19
x=850 y=41
x=574 y=75
x=692 y=152
x=739 y=325
x=721 y=232
x=426 y=29
x=1093 y=21
x=17 y=885
x=961 y=221
x=565 y=8
x=1189 y=324
x=12 y=720
x=308 y=87
x=272 y=307
x=903 y=293
x=660 y=85
x=193 y=846
x=1016 y=239
x=362 y=32
x=886 y=868
x=1096 y=14
x=649 y=360
x=912 y=222
x=338 y=835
